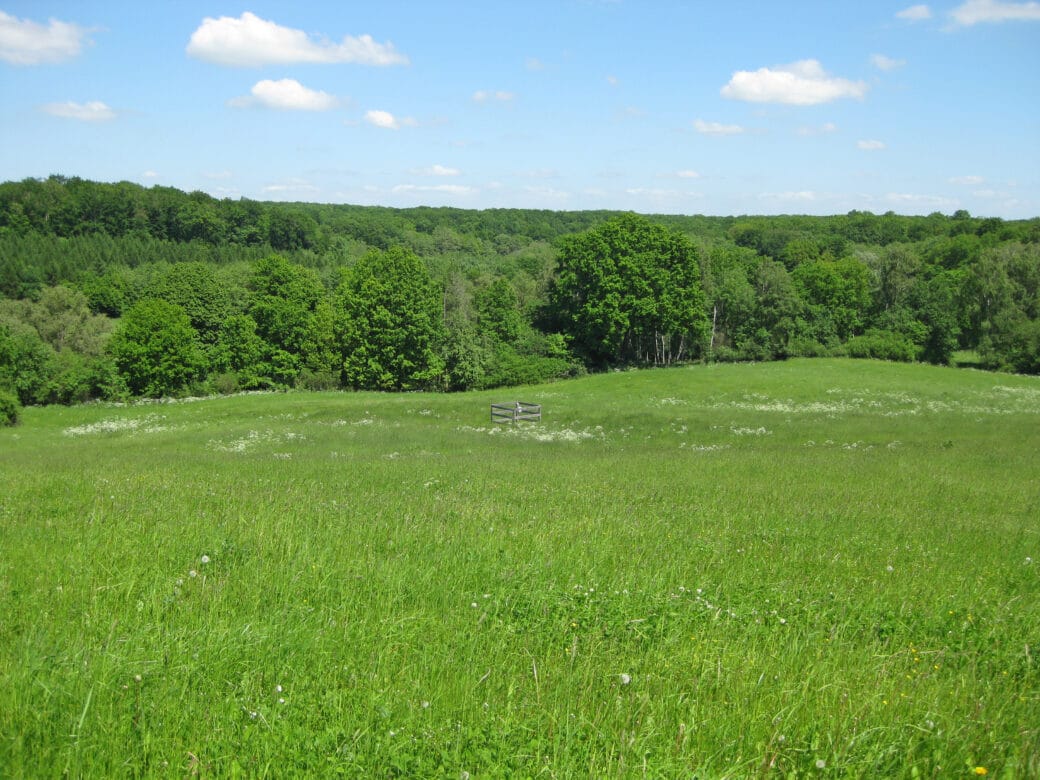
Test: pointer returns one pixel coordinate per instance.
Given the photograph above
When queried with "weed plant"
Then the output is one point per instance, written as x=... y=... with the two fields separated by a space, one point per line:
x=813 y=569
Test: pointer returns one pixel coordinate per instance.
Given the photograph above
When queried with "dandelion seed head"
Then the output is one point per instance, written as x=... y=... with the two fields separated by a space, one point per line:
x=625 y=678
x=204 y=559
x=820 y=763
x=193 y=573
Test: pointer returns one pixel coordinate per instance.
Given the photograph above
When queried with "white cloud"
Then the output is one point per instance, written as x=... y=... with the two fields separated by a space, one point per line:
x=435 y=170
x=978 y=11
x=716 y=128
x=290 y=188
x=450 y=189
x=285 y=95
x=803 y=83
x=825 y=128
x=969 y=180
x=870 y=145
x=934 y=201
x=612 y=81
x=25 y=42
x=150 y=175
x=915 y=13
x=388 y=121
x=687 y=174
x=250 y=41
x=533 y=63
x=483 y=96
x=94 y=111
x=801 y=196
x=881 y=62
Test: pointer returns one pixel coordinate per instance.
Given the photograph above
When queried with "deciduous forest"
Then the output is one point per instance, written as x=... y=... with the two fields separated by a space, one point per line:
x=114 y=291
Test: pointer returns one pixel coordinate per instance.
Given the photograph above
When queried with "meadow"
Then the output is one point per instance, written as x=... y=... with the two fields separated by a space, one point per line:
x=825 y=568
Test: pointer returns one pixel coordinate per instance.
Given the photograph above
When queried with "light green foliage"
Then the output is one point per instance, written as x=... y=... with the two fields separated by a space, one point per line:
x=836 y=294
x=390 y=328
x=196 y=288
x=718 y=571
x=284 y=299
x=10 y=408
x=156 y=350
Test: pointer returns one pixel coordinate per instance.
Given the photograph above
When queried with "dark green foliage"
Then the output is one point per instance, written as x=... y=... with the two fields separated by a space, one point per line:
x=629 y=292
x=10 y=409
x=156 y=350
x=617 y=289
x=389 y=323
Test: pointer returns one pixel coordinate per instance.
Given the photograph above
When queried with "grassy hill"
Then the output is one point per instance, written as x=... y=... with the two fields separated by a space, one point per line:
x=810 y=567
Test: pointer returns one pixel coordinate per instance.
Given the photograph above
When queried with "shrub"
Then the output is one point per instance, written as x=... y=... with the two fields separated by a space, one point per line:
x=9 y=408
x=882 y=345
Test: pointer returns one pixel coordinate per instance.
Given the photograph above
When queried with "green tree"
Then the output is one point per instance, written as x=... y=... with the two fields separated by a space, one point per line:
x=156 y=350
x=837 y=294
x=389 y=323
x=629 y=291
x=196 y=289
x=285 y=297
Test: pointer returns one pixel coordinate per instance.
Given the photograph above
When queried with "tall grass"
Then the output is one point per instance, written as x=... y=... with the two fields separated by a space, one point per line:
x=815 y=568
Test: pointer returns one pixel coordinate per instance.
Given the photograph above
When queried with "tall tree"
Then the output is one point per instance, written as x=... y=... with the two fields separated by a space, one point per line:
x=629 y=291
x=156 y=350
x=389 y=323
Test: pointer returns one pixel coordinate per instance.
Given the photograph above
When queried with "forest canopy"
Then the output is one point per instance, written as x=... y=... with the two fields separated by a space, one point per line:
x=111 y=291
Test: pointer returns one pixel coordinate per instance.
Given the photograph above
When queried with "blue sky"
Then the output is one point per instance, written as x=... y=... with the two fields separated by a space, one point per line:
x=670 y=107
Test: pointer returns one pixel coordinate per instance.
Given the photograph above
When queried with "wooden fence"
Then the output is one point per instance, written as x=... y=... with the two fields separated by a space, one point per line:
x=515 y=412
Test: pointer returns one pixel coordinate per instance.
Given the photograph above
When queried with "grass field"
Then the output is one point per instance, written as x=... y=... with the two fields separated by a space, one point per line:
x=811 y=568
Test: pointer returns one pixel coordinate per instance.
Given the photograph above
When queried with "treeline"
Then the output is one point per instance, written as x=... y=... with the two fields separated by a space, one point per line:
x=116 y=290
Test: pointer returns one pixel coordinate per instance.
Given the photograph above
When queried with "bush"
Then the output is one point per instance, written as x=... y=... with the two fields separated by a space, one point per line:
x=10 y=409
x=882 y=345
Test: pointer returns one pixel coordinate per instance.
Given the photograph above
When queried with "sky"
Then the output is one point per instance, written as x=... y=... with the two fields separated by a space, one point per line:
x=653 y=106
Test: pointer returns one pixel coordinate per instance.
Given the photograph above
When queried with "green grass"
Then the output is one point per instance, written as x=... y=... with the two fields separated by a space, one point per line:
x=812 y=568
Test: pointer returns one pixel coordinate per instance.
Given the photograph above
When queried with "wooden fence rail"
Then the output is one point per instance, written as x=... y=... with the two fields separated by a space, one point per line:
x=515 y=412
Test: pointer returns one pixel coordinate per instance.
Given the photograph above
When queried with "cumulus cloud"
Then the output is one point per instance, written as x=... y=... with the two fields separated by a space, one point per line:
x=980 y=11
x=803 y=83
x=881 y=62
x=970 y=180
x=870 y=145
x=716 y=128
x=388 y=121
x=915 y=13
x=485 y=96
x=435 y=170
x=93 y=111
x=286 y=95
x=25 y=42
x=250 y=41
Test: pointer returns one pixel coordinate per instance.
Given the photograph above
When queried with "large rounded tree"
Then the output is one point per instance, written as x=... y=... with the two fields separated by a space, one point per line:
x=629 y=291
x=156 y=350
x=389 y=323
